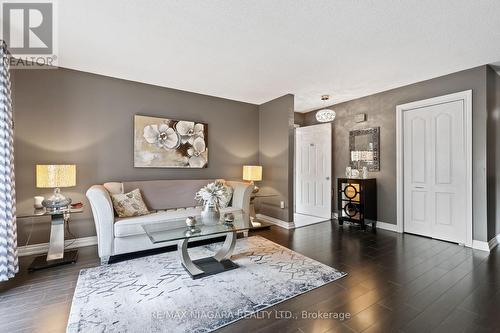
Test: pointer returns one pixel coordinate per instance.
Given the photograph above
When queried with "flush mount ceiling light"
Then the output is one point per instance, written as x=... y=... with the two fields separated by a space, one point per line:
x=325 y=115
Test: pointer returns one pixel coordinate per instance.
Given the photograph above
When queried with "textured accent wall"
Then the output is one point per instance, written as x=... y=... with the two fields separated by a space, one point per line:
x=67 y=116
x=381 y=111
x=276 y=157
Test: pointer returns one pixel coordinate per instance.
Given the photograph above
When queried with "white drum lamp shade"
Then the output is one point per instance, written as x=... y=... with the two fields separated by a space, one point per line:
x=55 y=175
x=252 y=173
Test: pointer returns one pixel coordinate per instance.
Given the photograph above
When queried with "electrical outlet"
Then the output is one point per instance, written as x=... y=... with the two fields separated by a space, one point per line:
x=282 y=204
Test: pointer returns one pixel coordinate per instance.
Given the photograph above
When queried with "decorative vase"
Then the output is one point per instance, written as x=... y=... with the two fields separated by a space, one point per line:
x=355 y=173
x=365 y=172
x=348 y=171
x=210 y=214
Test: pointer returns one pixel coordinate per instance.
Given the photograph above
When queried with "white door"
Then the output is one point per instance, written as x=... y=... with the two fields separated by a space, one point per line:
x=435 y=170
x=313 y=169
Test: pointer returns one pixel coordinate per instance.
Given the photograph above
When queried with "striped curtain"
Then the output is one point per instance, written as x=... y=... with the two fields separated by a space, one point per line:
x=8 y=231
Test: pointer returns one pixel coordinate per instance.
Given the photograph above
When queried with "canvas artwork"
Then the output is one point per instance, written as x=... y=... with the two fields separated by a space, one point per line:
x=167 y=143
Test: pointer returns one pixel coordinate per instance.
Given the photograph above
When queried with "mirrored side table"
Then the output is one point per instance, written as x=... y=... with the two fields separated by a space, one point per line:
x=56 y=255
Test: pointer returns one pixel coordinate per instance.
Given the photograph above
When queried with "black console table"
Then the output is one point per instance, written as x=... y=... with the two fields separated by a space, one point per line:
x=357 y=201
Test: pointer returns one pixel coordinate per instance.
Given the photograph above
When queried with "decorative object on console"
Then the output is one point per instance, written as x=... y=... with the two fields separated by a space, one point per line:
x=325 y=115
x=354 y=173
x=348 y=172
x=129 y=204
x=190 y=221
x=167 y=143
x=56 y=176
x=37 y=202
x=210 y=196
x=364 y=146
x=365 y=172
x=357 y=201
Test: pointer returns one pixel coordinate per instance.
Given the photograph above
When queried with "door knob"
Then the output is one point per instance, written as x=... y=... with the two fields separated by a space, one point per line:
x=327 y=178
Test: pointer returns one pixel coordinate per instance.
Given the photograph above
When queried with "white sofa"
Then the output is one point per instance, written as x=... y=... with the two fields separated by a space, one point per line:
x=168 y=199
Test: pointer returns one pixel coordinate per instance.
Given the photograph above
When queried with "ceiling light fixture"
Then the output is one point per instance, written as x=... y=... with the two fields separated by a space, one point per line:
x=325 y=115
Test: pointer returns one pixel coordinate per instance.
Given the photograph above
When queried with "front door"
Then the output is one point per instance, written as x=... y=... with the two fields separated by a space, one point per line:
x=435 y=171
x=313 y=169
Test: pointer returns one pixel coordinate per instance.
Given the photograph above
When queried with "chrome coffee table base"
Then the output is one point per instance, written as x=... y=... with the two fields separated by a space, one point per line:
x=220 y=262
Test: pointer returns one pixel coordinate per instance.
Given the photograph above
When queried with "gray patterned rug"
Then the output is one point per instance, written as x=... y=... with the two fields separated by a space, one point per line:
x=155 y=294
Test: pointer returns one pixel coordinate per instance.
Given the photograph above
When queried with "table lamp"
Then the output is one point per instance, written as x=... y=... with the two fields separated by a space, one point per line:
x=56 y=176
x=252 y=173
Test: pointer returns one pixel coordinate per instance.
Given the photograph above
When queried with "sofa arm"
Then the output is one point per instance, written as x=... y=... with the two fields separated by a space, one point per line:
x=241 y=195
x=104 y=218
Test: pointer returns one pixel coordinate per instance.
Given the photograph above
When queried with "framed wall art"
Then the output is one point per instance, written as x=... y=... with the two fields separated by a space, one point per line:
x=168 y=143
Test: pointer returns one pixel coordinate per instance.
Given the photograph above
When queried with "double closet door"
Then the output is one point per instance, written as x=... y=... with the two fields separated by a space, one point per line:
x=435 y=171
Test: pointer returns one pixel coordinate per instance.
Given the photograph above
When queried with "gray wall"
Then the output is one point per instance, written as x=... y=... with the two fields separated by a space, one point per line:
x=276 y=157
x=493 y=102
x=381 y=111
x=299 y=118
x=66 y=116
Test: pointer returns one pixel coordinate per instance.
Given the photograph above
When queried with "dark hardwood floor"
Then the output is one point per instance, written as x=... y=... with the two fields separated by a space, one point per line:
x=395 y=283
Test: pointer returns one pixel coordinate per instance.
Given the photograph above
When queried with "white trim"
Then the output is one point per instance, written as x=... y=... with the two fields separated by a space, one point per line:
x=387 y=226
x=302 y=220
x=494 y=242
x=42 y=248
x=480 y=245
x=278 y=222
x=466 y=96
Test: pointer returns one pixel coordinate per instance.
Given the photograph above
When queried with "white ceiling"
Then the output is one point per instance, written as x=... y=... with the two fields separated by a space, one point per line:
x=257 y=50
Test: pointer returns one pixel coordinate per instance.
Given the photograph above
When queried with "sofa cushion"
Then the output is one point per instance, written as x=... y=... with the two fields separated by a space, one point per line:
x=130 y=226
x=114 y=187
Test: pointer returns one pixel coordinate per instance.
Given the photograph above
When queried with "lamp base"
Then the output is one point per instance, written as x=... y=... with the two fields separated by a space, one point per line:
x=56 y=201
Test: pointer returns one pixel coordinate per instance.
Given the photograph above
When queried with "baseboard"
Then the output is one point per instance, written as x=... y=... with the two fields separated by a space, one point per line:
x=387 y=226
x=44 y=247
x=494 y=242
x=480 y=245
x=278 y=222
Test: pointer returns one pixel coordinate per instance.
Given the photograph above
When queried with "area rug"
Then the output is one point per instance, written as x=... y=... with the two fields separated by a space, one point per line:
x=155 y=294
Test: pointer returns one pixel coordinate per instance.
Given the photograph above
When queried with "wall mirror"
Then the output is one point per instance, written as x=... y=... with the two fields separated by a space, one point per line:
x=364 y=147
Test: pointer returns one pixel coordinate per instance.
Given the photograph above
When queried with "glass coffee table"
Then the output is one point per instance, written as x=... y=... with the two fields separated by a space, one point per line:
x=220 y=262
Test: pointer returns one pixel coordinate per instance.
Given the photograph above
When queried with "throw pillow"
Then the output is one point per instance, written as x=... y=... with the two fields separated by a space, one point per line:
x=129 y=204
x=226 y=199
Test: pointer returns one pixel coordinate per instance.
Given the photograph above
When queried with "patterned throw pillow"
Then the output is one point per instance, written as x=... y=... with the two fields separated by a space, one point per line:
x=226 y=199
x=129 y=204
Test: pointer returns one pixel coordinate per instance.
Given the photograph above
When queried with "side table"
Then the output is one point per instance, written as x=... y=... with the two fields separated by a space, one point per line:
x=56 y=255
